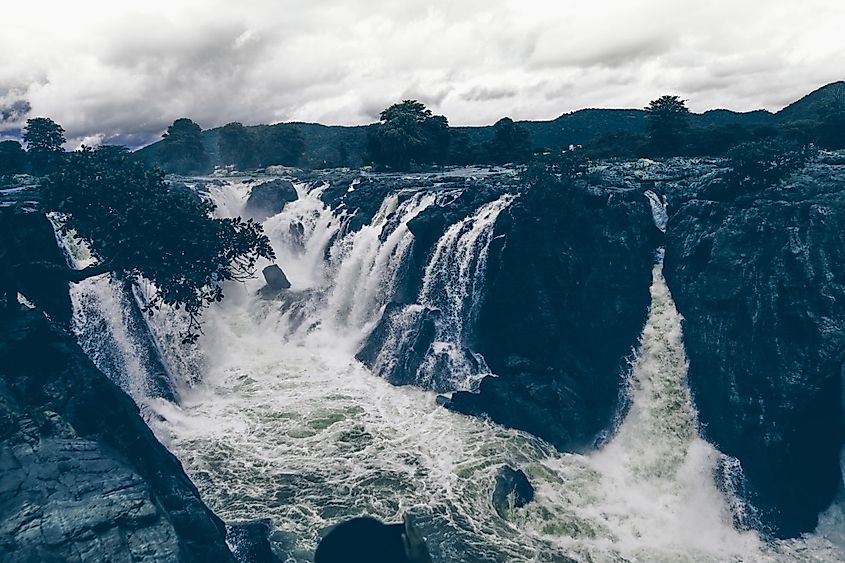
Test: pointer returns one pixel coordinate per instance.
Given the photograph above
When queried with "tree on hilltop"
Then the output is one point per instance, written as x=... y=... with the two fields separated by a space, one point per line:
x=668 y=122
x=408 y=132
x=44 y=139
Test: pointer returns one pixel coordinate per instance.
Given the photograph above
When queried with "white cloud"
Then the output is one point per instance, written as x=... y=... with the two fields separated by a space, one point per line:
x=107 y=70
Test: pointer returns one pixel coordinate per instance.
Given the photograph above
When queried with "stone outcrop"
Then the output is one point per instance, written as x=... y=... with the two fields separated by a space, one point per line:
x=566 y=297
x=82 y=476
x=398 y=345
x=760 y=281
x=37 y=266
x=513 y=490
x=269 y=198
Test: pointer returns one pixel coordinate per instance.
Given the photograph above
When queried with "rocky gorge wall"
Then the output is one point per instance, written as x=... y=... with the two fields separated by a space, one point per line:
x=83 y=477
x=760 y=281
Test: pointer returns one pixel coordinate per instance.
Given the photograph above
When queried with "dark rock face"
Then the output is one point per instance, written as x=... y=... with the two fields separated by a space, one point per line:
x=37 y=265
x=566 y=298
x=397 y=346
x=83 y=477
x=269 y=198
x=366 y=539
x=275 y=277
x=513 y=490
x=250 y=541
x=760 y=282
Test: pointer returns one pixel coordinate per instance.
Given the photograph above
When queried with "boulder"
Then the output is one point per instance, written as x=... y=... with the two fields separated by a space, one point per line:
x=760 y=282
x=275 y=278
x=250 y=541
x=513 y=490
x=269 y=198
x=367 y=539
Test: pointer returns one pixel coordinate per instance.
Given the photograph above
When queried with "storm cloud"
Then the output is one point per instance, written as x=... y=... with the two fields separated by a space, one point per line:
x=114 y=72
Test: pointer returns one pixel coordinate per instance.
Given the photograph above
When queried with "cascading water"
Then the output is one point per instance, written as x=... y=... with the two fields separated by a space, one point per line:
x=452 y=286
x=286 y=424
x=112 y=330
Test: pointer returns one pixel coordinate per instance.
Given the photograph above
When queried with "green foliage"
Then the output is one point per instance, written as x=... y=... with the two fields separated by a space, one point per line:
x=511 y=143
x=236 y=146
x=279 y=144
x=408 y=133
x=668 y=122
x=139 y=226
x=44 y=139
x=830 y=130
x=566 y=167
x=755 y=166
x=12 y=158
x=183 y=151
x=254 y=147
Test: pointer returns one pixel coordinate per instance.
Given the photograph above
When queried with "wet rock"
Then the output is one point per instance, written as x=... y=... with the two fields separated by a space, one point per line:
x=513 y=490
x=398 y=345
x=82 y=478
x=250 y=541
x=760 y=282
x=367 y=539
x=269 y=198
x=37 y=265
x=275 y=278
x=566 y=297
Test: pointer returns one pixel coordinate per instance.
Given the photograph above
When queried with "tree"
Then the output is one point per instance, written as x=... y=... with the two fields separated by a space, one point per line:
x=138 y=226
x=12 y=158
x=237 y=146
x=668 y=121
x=183 y=151
x=511 y=143
x=408 y=132
x=831 y=127
x=280 y=144
x=44 y=139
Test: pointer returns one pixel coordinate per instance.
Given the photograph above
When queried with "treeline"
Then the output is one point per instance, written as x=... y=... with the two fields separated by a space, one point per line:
x=671 y=131
x=44 y=139
x=408 y=135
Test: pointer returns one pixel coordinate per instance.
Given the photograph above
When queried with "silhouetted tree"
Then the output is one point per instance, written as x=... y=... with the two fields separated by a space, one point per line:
x=408 y=132
x=139 y=226
x=44 y=139
x=182 y=150
x=831 y=127
x=12 y=158
x=668 y=121
x=237 y=146
x=279 y=144
x=511 y=143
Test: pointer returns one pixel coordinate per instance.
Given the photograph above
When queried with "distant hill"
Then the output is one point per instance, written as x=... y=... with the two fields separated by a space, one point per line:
x=807 y=107
x=333 y=146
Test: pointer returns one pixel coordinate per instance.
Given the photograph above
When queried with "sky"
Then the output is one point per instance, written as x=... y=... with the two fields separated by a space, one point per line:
x=119 y=72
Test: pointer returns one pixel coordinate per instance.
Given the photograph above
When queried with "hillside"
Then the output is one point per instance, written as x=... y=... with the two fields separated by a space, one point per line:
x=328 y=146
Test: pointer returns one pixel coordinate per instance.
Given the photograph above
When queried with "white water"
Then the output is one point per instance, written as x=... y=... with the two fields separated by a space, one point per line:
x=286 y=424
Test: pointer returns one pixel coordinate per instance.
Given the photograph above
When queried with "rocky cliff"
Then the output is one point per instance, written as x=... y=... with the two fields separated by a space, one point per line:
x=565 y=301
x=760 y=281
x=83 y=477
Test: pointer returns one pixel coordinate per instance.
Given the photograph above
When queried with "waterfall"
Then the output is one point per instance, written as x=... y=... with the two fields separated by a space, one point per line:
x=659 y=210
x=110 y=326
x=284 y=423
x=446 y=307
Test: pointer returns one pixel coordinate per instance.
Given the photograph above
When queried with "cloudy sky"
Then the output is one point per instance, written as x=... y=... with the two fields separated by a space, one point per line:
x=117 y=71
